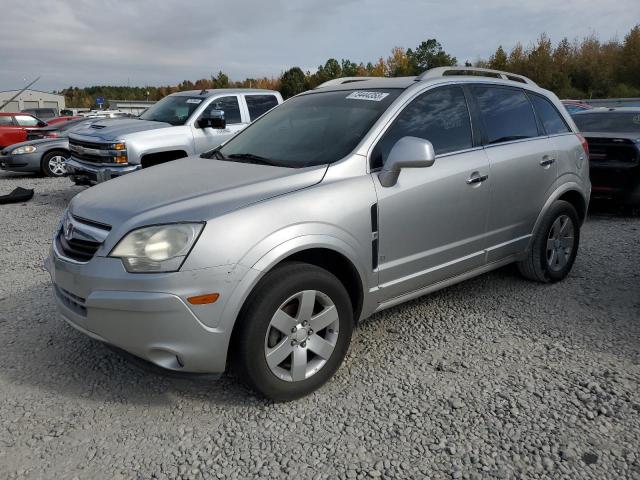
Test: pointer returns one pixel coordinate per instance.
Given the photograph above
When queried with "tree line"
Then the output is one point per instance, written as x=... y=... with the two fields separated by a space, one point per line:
x=586 y=68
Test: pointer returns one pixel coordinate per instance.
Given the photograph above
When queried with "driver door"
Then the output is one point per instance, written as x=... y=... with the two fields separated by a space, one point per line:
x=432 y=222
x=205 y=139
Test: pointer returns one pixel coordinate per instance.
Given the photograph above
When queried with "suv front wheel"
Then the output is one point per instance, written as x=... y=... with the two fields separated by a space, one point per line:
x=555 y=245
x=294 y=331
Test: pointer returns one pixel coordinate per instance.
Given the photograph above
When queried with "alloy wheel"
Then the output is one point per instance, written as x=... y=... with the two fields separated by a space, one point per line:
x=57 y=165
x=301 y=336
x=560 y=243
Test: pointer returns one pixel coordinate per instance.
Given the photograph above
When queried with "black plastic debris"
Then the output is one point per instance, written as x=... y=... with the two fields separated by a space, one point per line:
x=18 y=195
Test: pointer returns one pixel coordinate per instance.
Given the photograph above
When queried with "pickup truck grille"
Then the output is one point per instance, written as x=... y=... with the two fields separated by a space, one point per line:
x=90 y=151
x=612 y=151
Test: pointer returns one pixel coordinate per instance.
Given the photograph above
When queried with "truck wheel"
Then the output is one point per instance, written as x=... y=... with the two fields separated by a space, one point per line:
x=555 y=245
x=53 y=163
x=294 y=331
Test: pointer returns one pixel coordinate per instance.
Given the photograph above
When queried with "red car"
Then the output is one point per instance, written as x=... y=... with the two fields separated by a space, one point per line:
x=15 y=126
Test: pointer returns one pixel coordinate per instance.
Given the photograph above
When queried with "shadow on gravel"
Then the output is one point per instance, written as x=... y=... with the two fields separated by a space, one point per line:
x=42 y=351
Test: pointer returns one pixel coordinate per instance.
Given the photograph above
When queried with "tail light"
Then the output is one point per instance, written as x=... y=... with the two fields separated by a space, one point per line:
x=585 y=144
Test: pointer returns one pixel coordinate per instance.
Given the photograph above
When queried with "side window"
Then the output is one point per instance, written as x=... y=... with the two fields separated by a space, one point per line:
x=259 y=104
x=230 y=107
x=440 y=116
x=552 y=121
x=506 y=113
x=26 y=121
x=5 y=121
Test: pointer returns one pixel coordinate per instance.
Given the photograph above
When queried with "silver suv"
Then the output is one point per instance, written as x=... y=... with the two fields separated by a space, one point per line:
x=354 y=197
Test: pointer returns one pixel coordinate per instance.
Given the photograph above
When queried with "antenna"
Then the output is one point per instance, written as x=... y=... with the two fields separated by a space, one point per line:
x=18 y=94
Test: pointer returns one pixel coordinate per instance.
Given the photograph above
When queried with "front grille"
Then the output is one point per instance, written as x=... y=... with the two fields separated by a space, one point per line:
x=100 y=152
x=612 y=150
x=79 y=239
x=73 y=302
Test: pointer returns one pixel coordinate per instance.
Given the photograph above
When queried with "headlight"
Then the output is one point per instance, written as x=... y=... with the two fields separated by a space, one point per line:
x=25 y=149
x=161 y=248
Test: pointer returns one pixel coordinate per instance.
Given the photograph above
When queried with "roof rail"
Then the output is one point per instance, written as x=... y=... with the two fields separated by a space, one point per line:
x=343 y=80
x=442 y=71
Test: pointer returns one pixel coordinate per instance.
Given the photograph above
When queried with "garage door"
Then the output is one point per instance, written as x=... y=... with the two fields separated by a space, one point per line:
x=30 y=104
x=11 y=107
x=53 y=105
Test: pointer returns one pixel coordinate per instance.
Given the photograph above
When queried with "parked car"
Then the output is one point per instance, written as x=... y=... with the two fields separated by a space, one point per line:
x=57 y=120
x=614 y=152
x=343 y=201
x=45 y=154
x=104 y=114
x=60 y=129
x=42 y=113
x=575 y=106
x=14 y=127
x=177 y=126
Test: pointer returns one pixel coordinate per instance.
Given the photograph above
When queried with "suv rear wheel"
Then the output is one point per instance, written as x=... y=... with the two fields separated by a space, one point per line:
x=555 y=245
x=294 y=331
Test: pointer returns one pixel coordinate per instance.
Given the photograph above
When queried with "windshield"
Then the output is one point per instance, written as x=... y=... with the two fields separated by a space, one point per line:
x=174 y=110
x=627 y=122
x=308 y=130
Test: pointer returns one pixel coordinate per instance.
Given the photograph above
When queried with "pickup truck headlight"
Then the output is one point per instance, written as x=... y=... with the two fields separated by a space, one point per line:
x=22 y=150
x=161 y=248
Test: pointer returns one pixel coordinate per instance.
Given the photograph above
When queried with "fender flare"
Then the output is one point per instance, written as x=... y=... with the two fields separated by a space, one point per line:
x=274 y=256
x=557 y=193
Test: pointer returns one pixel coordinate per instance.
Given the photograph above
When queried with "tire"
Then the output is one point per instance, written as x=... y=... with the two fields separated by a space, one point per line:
x=555 y=245
x=303 y=359
x=53 y=163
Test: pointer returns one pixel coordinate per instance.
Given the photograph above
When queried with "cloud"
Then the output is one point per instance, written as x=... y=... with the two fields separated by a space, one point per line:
x=142 y=42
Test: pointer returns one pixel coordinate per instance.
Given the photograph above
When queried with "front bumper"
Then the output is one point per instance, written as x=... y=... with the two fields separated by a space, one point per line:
x=147 y=315
x=83 y=172
x=27 y=162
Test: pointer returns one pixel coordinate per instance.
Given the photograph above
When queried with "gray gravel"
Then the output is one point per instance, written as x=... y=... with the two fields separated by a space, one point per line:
x=493 y=378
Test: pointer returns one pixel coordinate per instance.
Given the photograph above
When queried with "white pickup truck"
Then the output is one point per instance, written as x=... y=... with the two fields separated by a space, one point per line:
x=181 y=124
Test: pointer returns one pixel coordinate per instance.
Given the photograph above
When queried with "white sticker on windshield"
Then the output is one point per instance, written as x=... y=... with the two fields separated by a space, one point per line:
x=194 y=100
x=372 y=96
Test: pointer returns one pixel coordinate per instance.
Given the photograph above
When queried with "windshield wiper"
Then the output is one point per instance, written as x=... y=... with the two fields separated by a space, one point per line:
x=252 y=158
x=215 y=153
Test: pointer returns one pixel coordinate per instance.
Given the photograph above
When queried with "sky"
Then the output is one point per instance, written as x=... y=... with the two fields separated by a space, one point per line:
x=163 y=42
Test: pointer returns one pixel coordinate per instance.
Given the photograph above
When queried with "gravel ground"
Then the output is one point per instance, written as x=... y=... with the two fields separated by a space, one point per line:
x=493 y=378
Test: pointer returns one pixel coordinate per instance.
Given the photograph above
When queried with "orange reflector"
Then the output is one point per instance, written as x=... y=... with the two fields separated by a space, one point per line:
x=204 y=299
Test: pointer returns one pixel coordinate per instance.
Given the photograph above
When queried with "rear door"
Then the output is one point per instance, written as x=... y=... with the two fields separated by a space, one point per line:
x=209 y=138
x=432 y=222
x=522 y=163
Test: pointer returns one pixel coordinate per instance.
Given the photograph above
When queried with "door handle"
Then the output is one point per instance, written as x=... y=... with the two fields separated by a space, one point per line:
x=476 y=178
x=546 y=161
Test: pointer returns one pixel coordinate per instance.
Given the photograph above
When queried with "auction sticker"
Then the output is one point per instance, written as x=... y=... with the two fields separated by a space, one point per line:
x=371 y=96
x=194 y=100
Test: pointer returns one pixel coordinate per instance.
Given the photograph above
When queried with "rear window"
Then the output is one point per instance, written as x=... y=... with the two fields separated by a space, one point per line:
x=506 y=113
x=552 y=121
x=608 y=122
x=259 y=104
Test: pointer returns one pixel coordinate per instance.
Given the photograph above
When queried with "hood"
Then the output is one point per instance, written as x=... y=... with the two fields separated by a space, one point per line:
x=114 y=128
x=41 y=142
x=191 y=189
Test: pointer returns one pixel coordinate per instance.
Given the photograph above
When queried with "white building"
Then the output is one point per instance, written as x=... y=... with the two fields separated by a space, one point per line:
x=31 y=99
x=134 y=107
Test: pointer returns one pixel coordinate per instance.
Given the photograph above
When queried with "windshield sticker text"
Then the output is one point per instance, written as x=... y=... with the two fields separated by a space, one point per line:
x=371 y=96
x=194 y=100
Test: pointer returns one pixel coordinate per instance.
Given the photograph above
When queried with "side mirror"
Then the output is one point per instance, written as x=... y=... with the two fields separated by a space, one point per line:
x=42 y=124
x=408 y=152
x=215 y=119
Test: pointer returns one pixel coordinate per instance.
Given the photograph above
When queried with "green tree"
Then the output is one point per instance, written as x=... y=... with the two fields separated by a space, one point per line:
x=498 y=60
x=429 y=54
x=292 y=82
